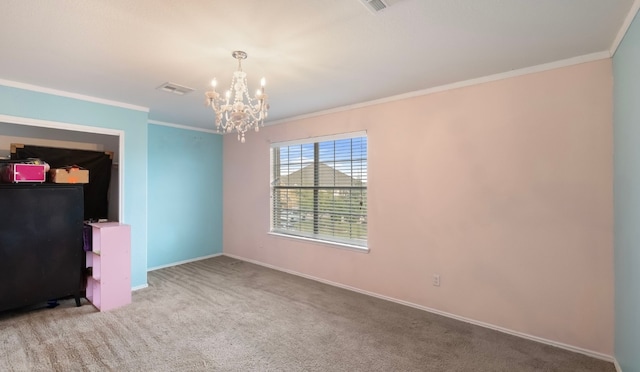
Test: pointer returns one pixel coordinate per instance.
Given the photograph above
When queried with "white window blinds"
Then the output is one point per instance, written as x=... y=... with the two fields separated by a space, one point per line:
x=319 y=190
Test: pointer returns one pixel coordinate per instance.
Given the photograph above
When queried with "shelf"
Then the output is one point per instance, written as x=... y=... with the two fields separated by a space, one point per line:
x=109 y=286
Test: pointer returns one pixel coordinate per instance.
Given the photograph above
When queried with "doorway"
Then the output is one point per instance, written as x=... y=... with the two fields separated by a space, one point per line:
x=57 y=134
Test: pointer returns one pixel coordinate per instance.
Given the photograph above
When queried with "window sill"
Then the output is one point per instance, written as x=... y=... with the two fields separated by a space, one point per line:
x=350 y=247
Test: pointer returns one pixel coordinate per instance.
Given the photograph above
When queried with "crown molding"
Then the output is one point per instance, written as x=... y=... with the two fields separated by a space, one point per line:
x=461 y=84
x=180 y=126
x=625 y=27
x=62 y=93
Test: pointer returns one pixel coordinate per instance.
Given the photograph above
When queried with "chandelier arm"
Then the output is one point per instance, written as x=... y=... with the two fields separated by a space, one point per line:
x=255 y=115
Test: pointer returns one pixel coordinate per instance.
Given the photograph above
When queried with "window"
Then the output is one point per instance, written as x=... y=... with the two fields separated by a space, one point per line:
x=319 y=189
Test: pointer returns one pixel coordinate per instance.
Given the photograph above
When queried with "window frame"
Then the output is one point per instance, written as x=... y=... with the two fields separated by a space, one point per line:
x=333 y=240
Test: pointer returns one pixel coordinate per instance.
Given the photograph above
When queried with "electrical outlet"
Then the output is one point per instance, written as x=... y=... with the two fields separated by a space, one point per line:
x=436 y=280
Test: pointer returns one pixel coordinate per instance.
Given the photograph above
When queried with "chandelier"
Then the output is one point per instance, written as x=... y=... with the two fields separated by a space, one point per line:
x=237 y=111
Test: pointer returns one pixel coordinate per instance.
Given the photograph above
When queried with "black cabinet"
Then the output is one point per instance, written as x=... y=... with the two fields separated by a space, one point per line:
x=41 y=255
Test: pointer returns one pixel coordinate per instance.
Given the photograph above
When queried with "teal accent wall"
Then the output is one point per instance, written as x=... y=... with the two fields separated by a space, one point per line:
x=42 y=106
x=185 y=195
x=626 y=186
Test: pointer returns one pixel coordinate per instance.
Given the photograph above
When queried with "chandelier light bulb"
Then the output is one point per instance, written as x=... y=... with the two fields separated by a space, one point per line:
x=263 y=82
x=214 y=83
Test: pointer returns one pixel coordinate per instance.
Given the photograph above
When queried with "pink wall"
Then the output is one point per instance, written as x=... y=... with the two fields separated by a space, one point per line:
x=503 y=188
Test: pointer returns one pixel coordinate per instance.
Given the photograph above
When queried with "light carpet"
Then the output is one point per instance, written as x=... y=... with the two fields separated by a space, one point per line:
x=222 y=314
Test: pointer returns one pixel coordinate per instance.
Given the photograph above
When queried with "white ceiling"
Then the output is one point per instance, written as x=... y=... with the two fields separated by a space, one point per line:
x=315 y=54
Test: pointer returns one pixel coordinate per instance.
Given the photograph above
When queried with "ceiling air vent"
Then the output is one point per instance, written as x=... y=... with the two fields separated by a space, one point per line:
x=175 y=88
x=374 y=6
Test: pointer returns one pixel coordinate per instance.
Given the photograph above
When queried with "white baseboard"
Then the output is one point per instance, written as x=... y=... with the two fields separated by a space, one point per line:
x=560 y=345
x=617 y=365
x=183 y=262
x=138 y=287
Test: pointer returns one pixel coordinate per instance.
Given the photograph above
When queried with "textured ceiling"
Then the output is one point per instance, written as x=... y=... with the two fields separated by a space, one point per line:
x=315 y=54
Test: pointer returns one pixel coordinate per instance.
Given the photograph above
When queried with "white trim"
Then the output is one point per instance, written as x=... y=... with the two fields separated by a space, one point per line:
x=625 y=27
x=183 y=262
x=62 y=93
x=139 y=287
x=481 y=80
x=560 y=345
x=58 y=125
x=81 y=128
x=350 y=247
x=121 y=179
x=330 y=137
x=180 y=126
x=617 y=365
